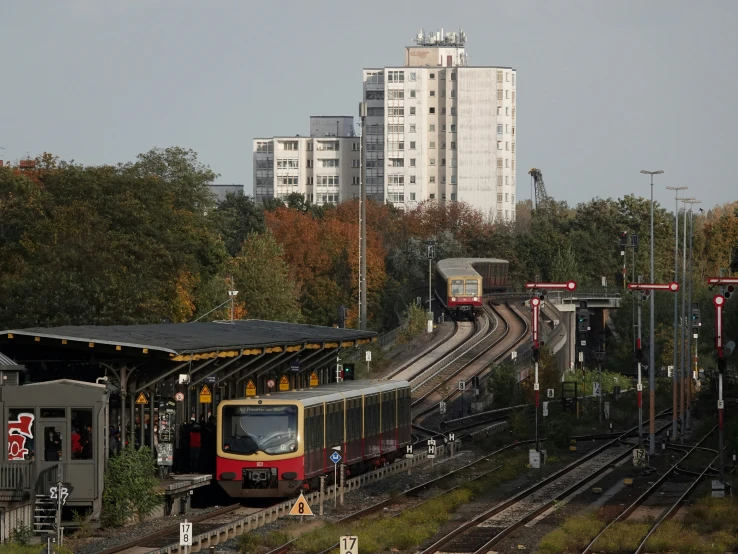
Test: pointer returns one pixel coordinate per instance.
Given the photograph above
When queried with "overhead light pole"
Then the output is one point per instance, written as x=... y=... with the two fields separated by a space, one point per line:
x=362 y=221
x=675 y=388
x=688 y=367
x=651 y=353
x=683 y=327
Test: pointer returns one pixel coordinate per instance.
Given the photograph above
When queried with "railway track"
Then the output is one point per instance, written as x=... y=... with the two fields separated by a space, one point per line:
x=667 y=486
x=482 y=530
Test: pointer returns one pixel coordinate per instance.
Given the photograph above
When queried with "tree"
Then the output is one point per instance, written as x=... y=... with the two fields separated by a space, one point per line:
x=265 y=290
x=565 y=266
x=131 y=487
x=504 y=386
x=235 y=218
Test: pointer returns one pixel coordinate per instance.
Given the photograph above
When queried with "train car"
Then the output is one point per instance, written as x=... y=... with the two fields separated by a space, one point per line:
x=277 y=445
x=493 y=272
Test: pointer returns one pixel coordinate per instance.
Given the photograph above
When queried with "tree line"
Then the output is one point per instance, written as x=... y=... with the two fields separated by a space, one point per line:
x=144 y=241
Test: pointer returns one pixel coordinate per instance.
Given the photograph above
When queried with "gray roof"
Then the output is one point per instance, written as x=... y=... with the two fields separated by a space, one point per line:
x=462 y=267
x=179 y=338
x=7 y=363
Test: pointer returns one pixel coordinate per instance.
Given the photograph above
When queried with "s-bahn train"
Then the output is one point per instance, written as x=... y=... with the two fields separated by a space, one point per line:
x=462 y=282
x=277 y=445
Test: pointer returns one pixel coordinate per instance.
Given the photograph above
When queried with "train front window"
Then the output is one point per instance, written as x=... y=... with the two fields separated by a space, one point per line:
x=252 y=429
x=457 y=287
x=472 y=288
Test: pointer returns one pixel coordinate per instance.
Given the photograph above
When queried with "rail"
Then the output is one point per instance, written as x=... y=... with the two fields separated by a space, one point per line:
x=451 y=357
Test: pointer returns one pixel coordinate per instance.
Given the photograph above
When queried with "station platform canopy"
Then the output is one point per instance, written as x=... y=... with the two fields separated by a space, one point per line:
x=181 y=342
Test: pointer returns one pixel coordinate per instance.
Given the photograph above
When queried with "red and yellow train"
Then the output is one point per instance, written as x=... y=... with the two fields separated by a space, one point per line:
x=277 y=445
x=461 y=283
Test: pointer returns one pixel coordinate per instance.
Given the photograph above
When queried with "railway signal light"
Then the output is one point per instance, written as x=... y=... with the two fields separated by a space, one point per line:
x=536 y=354
x=348 y=372
x=623 y=240
x=728 y=291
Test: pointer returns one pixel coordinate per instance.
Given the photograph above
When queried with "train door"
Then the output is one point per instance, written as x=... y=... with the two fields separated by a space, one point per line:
x=53 y=438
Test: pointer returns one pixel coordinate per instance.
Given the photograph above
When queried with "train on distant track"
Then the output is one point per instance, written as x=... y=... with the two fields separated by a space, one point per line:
x=277 y=445
x=461 y=283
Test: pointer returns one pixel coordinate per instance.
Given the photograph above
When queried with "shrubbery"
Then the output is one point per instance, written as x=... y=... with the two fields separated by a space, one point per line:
x=130 y=487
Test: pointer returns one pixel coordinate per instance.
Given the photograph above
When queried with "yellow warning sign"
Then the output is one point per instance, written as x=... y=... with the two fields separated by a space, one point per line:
x=250 y=388
x=141 y=399
x=205 y=396
x=284 y=383
x=301 y=508
x=313 y=379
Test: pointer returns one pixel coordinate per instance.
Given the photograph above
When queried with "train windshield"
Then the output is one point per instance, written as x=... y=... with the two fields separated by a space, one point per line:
x=252 y=429
x=472 y=288
x=457 y=287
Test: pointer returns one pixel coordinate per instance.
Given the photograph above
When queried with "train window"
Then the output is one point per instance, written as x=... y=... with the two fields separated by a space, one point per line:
x=457 y=287
x=81 y=438
x=472 y=288
x=21 y=434
x=271 y=429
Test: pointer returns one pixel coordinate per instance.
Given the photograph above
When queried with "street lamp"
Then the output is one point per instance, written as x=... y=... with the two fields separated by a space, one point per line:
x=689 y=305
x=683 y=328
x=651 y=357
x=676 y=311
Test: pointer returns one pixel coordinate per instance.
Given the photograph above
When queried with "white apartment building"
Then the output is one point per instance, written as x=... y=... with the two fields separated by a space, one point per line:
x=324 y=167
x=439 y=129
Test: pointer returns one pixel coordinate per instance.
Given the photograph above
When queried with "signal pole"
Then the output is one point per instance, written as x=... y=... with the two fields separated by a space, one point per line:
x=690 y=335
x=683 y=329
x=362 y=221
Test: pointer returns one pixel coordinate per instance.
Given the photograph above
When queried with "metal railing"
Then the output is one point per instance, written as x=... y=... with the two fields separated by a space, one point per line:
x=16 y=476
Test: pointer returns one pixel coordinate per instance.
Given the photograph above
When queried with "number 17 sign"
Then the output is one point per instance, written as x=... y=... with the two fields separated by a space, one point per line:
x=349 y=545
x=185 y=534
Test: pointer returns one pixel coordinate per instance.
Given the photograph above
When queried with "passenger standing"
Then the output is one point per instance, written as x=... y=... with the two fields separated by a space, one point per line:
x=76 y=442
x=195 y=443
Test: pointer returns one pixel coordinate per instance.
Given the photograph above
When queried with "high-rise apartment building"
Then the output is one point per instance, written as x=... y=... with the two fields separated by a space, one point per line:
x=324 y=167
x=439 y=129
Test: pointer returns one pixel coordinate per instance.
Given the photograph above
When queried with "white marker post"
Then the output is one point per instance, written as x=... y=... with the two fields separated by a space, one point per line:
x=335 y=458
x=185 y=535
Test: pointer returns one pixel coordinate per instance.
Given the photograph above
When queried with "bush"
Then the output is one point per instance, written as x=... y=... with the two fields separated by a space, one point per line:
x=21 y=535
x=130 y=487
x=574 y=534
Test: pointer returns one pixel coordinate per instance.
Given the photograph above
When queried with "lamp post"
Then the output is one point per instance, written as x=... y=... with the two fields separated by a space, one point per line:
x=683 y=327
x=651 y=353
x=676 y=312
x=362 y=221
x=687 y=370
x=431 y=254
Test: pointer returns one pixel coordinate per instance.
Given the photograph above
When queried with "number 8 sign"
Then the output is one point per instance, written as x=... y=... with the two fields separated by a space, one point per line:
x=185 y=534
x=349 y=545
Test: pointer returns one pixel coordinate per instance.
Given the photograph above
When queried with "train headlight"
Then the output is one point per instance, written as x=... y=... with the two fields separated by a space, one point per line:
x=476 y=298
x=453 y=299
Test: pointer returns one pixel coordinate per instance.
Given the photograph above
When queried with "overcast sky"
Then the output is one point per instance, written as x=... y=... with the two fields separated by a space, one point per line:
x=604 y=88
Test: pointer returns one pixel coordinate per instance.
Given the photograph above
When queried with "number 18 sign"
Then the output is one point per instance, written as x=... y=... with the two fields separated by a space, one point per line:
x=349 y=545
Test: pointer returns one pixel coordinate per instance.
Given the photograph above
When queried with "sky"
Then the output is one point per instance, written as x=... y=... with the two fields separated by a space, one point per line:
x=604 y=89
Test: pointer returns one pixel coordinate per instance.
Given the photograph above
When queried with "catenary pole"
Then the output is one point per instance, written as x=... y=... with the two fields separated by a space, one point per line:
x=362 y=222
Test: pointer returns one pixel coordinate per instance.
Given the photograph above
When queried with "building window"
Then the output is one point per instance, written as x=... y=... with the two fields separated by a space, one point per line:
x=412 y=128
x=355 y=180
x=453 y=111
x=513 y=130
x=512 y=165
x=433 y=93
x=499 y=214
x=506 y=197
x=395 y=111
x=513 y=113
x=443 y=162
x=431 y=110
x=265 y=146
x=431 y=145
x=395 y=94
x=507 y=128
x=377 y=112
x=432 y=196
x=412 y=110
x=412 y=196
x=453 y=93
x=498 y=110
x=310 y=181
x=499 y=76
x=412 y=180
x=443 y=111
x=443 y=146
x=375 y=95
x=413 y=75
x=453 y=128
x=507 y=94
x=432 y=127
x=330 y=163
x=453 y=146
x=507 y=145
x=453 y=75
x=412 y=162
x=288 y=145
x=513 y=147
x=432 y=179
x=499 y=180
x=499 y=163
x=507 y=111
x=395 y=76
x=396 y=197
x=499 y=129
x=443 y=128
x=506 y=178
x=512 y=196
x=432 y=76
x=432 y=161
x=453 y=161
x=412 y=145
x=355 y=163
x=396 y=162
x=499 y=198
x=453 y=179
x=412 y=94
x=499 y=94
x=397 y=179
x=326 y=180
x=507 y=162
x=375 y=78
x=513 y=98
x=443 y=180
x=499 y=145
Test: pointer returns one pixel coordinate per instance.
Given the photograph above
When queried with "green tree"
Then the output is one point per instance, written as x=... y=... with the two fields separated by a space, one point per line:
x=504 y=386
x=236 y=217
x=131 y=487
x=262 y=279
x=565 y=265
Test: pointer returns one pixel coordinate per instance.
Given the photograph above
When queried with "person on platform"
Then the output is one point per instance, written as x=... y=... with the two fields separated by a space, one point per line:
x=195 y=444
x=76 y=442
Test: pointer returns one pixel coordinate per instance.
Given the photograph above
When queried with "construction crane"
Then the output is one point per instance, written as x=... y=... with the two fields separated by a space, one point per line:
x=538 y=186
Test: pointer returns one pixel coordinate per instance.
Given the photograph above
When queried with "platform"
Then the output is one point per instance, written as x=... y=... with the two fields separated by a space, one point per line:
x=177 y=490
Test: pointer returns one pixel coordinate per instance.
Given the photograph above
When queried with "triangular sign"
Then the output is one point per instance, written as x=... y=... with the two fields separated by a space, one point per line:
x=205 y=390
x=301 y=508
x=141 y=399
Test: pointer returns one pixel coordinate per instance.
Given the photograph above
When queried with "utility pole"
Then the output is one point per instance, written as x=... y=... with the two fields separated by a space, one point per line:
x=362 y=221
x=675 y=387
x=639 y=355
x=651 y=340
x=683 y=329
x=431 y=255
x=688 y=365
